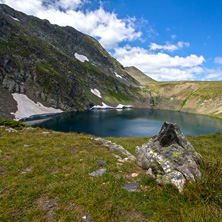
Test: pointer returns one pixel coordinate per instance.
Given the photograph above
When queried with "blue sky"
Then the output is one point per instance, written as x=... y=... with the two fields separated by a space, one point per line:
x=166 y=39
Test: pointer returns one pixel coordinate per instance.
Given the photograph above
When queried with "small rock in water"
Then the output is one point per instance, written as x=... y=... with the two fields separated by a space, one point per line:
x=25 y=145
x=101 y=162
x=97 y=173
x=131 y=187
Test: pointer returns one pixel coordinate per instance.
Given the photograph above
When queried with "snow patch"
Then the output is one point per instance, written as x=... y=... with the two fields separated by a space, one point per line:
x=120 y=106
x=81 y=58
x=118 y=75
x=15 y=19
x=96 y=92
x=26 y=107
x=104 y=106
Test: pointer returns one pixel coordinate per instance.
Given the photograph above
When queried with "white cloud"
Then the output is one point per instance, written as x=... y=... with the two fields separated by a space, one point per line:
x=168 y=46
x=106 y=26
x=218 y=60
x=161 y=66
x=173 y=36
x=29 y=7
x=69 y=4
x=213 y=74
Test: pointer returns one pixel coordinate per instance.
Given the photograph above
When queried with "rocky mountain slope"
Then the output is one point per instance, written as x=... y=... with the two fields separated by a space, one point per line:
x=59 y=66
x=139 y=75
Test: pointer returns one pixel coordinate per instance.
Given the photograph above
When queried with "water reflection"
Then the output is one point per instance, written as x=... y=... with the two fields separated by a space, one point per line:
x=129 y=123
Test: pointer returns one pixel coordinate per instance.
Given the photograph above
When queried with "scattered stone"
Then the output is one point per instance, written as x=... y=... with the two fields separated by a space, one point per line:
x=131 y=187
x=45 y=132
x=114 y=146
x=2 y=126
x=7 y=157
x=117 y=156
x=11 y=130
x=134 y=175
x=123 y=160
x=119 y=164
x=101 y=162
x=27 y=169
x=84 y=217
x=97 y=173
x=28 y=128
x=81 y=160
x=47 y=205
x=169 y=157
x=2 y=170
x=53 y=170
x=150 y=174
x=25 y=145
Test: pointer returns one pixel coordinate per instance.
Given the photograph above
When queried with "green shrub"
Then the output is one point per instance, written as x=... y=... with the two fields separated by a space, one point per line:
x=12 y=124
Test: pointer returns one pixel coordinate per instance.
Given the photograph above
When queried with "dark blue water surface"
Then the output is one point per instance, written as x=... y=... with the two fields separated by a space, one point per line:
x=129 y=123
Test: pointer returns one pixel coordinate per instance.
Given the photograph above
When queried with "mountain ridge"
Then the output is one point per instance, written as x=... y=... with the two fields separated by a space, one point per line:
x=137 y=74
x=42 y=60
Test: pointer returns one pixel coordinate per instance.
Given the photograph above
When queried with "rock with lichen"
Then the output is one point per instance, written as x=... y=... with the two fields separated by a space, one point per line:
x=171 y=157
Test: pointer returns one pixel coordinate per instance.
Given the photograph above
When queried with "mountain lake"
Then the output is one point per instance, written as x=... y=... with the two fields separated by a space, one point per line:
x=128 y=122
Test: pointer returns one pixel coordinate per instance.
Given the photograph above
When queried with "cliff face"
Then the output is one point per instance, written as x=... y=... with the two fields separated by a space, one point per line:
x=59 y=66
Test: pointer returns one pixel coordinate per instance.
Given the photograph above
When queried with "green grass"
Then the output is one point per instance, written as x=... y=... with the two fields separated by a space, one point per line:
x=12 y=124
x=54 y=169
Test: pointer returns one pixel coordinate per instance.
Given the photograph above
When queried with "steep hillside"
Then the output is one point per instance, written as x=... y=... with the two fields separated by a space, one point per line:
x=59 y=65
x=202 y=97
x=139 y=75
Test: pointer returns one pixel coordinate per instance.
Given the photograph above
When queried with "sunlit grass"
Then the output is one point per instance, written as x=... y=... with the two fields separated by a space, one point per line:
x=55 y=166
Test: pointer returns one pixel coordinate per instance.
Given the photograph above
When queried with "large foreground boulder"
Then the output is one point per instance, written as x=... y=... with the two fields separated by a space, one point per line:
x=169 y=157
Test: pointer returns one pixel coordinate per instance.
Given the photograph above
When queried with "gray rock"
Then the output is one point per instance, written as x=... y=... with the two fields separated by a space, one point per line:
x=117 y=156
x=97 y=173
x=114 y=146
x=25 y=145
x=150 y=174
x=11 y=130
x=170 y=157
x=131 y=187
x=101 y=162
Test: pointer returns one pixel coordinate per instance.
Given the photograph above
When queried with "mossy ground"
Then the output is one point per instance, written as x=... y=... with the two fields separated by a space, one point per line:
x=48 y=180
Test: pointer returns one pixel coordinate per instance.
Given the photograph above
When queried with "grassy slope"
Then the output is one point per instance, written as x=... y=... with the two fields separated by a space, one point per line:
x=48 y=180
x=203 y=97
x=138 y=75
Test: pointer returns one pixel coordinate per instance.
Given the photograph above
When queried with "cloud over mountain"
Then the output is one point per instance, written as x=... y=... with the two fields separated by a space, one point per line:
x=161 y=66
